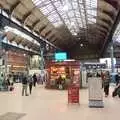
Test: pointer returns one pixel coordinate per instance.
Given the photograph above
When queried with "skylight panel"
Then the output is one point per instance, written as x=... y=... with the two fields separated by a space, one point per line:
x=81 y=12
x=91 y=6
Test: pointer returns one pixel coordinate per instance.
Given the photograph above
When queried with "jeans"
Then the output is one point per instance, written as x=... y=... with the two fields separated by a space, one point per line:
x=35 y=83
x=106 y=89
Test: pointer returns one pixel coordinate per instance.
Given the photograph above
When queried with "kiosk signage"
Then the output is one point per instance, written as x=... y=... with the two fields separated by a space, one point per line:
x=73 y=90
x=73 y=94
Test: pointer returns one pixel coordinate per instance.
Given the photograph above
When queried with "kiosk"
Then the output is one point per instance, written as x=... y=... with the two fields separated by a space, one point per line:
x=62 y=74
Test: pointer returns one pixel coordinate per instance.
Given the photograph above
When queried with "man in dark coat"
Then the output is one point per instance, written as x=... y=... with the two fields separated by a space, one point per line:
x=34 y=80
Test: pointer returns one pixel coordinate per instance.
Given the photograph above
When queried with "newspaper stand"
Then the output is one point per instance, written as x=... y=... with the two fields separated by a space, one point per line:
x=73 y=94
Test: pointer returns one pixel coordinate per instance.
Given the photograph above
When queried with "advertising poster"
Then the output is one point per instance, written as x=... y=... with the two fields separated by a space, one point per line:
x=73 y=94
x=73 y=90
x=35 y=62
x=95 y=92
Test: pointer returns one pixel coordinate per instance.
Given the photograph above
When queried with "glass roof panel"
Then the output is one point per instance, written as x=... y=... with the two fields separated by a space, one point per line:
x=67 y=12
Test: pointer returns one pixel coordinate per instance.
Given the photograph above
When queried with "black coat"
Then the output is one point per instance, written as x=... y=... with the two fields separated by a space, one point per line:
x=117 y=78
x=35 y=78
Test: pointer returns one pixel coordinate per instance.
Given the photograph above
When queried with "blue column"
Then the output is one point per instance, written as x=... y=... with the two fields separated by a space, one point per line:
x=1 y=52
x=112 y=63
x=42 y=59
x=0 y=43
x=0 y=58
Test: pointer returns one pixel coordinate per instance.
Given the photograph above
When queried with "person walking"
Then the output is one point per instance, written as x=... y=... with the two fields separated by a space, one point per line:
x=30 y=80
x=102 y=77
x=24 y=86
x=34 y=80
x=106 y=83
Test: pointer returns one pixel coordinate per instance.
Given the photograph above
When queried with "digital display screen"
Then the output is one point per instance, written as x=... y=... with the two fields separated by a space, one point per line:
x=61 y=56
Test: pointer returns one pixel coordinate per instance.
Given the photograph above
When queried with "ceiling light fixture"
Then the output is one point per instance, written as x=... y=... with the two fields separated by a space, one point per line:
x=81 y=45
x=74 y=33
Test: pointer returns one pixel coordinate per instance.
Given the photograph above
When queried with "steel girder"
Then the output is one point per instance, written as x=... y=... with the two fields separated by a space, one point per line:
x=8 y=22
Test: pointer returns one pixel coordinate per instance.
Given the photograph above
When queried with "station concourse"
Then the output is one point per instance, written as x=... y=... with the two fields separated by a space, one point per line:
x=51 y=104
x=59 y=59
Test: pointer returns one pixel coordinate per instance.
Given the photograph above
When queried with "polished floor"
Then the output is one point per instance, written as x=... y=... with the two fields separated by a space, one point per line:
x=52 y=105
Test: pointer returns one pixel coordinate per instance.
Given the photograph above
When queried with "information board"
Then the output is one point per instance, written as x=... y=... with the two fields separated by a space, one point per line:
x=95 y=92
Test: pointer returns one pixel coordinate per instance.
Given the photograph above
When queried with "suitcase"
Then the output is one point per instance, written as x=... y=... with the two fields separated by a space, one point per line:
x=116 y=92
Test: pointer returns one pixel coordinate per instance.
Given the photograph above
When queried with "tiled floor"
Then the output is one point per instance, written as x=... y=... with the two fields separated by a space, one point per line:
x=52 y=105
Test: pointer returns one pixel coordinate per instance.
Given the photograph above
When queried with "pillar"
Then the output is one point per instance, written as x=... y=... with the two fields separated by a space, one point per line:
x=112 y=62
x=42 y=59
x=0 y=51
x=6 y=63
x=42 y=63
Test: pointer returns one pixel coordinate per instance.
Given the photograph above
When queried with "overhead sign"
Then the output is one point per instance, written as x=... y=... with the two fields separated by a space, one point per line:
x=61 y=56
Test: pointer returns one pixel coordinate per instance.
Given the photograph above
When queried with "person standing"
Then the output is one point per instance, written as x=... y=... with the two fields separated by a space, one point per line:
x=39 y=80
x=34 y=80
x=117 y=79
x=60 y=82
x=11 y=82
x=1 y=81
x=30 y=80
x=106 y=83
x=24 y=86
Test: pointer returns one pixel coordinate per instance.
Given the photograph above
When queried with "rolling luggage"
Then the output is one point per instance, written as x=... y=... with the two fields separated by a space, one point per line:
x=116 y=91
x=11 y=88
